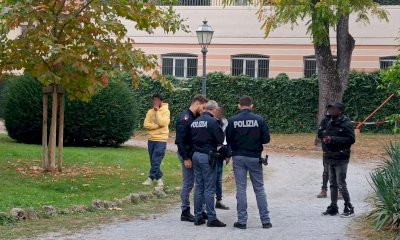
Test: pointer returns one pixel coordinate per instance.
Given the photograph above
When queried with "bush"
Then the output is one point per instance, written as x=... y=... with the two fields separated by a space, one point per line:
x=290 y=106
x=108 y=119
x=386 y=184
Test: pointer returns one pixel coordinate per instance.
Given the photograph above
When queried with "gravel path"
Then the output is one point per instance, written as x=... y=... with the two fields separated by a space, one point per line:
x=291 y=184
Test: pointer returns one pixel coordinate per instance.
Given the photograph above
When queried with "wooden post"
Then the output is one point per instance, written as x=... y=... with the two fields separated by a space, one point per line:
x=53 y=131
x=44 y=131
x=60 y=130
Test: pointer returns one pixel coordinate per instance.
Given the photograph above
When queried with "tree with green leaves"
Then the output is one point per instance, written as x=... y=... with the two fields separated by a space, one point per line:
x=322 y=17
x=391 y=81
x=74 y=46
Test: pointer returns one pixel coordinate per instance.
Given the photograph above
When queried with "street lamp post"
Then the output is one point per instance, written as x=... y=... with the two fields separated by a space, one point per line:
x=204 y=35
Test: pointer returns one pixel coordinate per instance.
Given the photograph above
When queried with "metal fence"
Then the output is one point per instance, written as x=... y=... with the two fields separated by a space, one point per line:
x=388 y=2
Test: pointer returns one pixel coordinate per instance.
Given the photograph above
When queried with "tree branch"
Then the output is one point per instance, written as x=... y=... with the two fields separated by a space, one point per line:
x=74 y=16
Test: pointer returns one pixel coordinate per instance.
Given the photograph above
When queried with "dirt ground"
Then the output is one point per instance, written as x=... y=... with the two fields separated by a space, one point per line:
x=369 y=147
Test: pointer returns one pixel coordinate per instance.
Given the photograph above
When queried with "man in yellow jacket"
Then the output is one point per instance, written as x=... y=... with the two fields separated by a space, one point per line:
x=156 y=124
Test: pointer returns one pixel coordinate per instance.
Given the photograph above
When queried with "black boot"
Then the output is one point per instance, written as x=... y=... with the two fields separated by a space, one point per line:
x=199 y=222
x=220 y=205
x=216 y=223
x=332 y=210
x=240 y=226
x=348 y=211
x=186 y=216
x=267 y=225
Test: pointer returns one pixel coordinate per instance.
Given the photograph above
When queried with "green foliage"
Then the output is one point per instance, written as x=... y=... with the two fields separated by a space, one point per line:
x=391 y=82
x=386 y=184
x=320 y=15
x=107 y=120
x=77 y=44
x=290 y=106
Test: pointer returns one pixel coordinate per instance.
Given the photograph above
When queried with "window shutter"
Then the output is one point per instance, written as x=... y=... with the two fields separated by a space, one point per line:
x=237 y=67
x=263 y=68
x=167 y=66
x=191 y=67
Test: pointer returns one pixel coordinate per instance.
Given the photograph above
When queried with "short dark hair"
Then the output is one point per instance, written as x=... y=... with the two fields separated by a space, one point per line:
x=199 y=98
x=245 y=101
x=159 y=96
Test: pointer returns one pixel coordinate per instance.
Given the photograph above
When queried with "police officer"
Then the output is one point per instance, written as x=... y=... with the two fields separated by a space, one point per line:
x=337 y=135
x=206 y=136
x=185 y=147
x=246 y=134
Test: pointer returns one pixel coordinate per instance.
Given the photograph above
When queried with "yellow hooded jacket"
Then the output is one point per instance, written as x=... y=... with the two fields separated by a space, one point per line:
x=156 y=123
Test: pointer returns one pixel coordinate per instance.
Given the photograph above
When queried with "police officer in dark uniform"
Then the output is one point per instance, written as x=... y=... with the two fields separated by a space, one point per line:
x=207 y=135
x=185 y=147
x=337 y=135
x=246 y=134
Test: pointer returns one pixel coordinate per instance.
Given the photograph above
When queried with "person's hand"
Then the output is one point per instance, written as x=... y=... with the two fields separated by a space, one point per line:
x=227 y=160
x=188 y=163
x=327 y=139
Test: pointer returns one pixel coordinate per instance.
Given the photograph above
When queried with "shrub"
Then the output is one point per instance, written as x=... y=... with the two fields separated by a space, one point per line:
x=386 y=184
x=290 y=106
x=108 y=119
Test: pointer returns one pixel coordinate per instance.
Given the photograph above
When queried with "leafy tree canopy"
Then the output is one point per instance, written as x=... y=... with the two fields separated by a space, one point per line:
x=79 y=44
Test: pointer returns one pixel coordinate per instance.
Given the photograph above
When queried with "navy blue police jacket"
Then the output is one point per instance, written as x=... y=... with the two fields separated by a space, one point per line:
x=246 y=134
x=207 y=134
x=183 y=138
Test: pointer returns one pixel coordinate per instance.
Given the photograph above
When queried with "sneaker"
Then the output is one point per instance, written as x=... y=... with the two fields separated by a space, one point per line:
x=199 y=222
x=267 y=225
x=220 y=205
x=205 y=216
x=148 y=182
x=340 y=196
x=240 y=226
x=348 y=211
x=160 y=182
x=323 y=194
x=216 y=223
x=332 y=210
x=186 y=216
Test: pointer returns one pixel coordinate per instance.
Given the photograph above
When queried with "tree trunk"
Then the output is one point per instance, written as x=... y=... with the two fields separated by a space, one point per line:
x=45 y=160
x=333 y=77
x=53 y=132
x=345 y=47
x=61 y=132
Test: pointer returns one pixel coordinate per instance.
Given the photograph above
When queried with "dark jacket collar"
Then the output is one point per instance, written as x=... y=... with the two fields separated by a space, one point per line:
x=209 y=114
x=245 y=111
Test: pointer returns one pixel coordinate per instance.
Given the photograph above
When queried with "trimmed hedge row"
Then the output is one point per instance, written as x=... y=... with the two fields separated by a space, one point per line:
x=289 y=105
x=108 y=119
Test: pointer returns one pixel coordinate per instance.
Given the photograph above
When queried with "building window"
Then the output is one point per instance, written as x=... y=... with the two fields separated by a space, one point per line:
x=386 y=62
x=256 y=66
x=310 y=66
x=179 y=65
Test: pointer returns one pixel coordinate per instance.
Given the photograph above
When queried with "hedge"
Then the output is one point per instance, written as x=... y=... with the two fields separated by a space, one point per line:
x=108 y=119
x=290 y=106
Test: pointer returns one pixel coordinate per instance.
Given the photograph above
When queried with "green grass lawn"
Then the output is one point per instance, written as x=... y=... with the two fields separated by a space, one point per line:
x=90 y=173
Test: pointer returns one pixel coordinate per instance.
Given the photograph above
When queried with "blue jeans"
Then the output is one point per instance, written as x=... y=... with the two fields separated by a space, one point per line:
x=220 y=166
x=156 y=153
x=242 y=165
x=204 y=180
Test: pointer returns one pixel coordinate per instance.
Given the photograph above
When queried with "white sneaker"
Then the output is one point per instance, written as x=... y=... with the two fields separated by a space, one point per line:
x=160 y=183
x=148 y=182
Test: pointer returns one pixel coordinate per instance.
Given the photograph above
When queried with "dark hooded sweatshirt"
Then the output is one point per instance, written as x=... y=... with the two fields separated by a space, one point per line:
x=342 y=136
